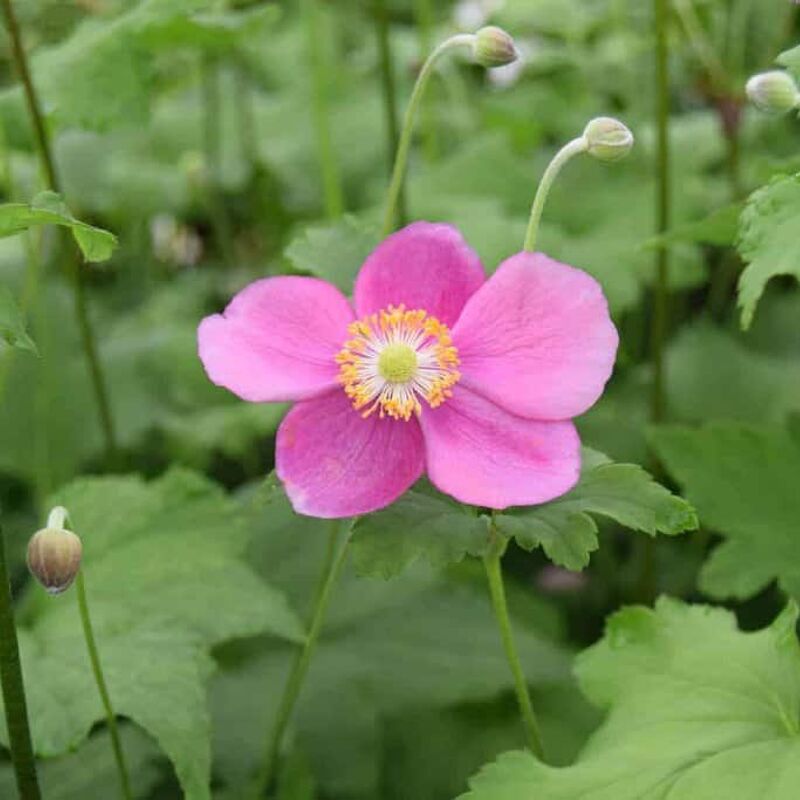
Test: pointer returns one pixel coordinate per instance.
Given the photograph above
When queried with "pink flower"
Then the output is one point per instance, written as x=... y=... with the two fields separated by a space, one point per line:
x=438 y=370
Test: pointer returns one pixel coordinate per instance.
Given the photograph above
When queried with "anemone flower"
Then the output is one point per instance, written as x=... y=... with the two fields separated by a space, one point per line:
x=432 y=369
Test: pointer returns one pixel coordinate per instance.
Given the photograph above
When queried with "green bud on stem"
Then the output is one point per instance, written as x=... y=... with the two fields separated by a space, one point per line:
x=607 y=139
x=54 y=554
x=774 y=92
x=493 y=47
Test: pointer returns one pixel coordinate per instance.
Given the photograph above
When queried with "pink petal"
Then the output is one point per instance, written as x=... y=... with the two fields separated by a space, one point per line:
x=483 y=455
x=537 y=339
x=334 y=463
x=277 y=339
x=424 y=266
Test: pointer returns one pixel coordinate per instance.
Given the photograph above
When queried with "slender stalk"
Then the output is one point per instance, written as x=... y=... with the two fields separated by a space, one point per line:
x=494 y=575
x=102 y=688
x=88 y=339
x=573 y=148
x=334 y=561
x=16 y=707
x=331 y=181
x=663 y=198
x=423 y=13
x=701 y=44
x=389 y=92
x=404 y=146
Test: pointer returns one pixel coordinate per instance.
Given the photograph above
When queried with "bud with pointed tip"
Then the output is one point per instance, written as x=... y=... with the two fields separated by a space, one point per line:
x=607 y=139
x=54 y=558
x=774 y=92
x=493 y=47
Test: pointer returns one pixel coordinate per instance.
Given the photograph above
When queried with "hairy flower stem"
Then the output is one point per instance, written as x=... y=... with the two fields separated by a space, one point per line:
x=19 y=734
x=404 y=146
x=88 y=339
x=573 y=148
x=334 y=561
x=315 y=42
x=389 y=92
x=494 y=575
x=102 y=688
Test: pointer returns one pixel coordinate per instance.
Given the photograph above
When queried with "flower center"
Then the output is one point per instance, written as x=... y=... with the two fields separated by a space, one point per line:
x=397 y=363
x=395 y=359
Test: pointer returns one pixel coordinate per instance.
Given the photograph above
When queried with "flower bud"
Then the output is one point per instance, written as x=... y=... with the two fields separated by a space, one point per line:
x=54 y=558
x=493 y=47
x=607 y=139
x=774 y=92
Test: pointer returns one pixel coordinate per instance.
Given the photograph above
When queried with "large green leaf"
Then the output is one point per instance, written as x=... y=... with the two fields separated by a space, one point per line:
x=743 y=482
x=768 y=240
x=166 y=582
x=565 y=529
x=47 y=208
x=697 y=710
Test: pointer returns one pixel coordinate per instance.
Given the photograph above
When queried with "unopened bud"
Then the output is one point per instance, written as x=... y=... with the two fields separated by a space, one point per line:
x=54 y=558
x=607 y=139
x=493 y=47
x=774 y=92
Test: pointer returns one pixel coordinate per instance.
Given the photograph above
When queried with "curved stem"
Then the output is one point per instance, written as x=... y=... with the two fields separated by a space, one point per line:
x=389 y=93
x=404 y=146
x=573 y=148
x=16 y=707
x=88 y=339
x=494 y=575
x=331 y=181
x=97 y=670
x=334 y=561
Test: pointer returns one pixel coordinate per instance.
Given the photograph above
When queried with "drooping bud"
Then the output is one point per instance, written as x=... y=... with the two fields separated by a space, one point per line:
x=774 y=92
x=607 y=139
x=54 y=557
x=493 y=47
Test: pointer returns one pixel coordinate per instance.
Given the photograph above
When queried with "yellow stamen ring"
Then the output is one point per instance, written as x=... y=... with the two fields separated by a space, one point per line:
x=396 y=358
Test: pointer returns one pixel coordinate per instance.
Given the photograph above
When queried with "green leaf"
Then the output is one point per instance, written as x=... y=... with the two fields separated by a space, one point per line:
x=333 y=251
x=12 y=323
x=791 y=60
x=422 y=524
x=166 y=582
x=47 y=208
x=768 y=240
x=719 y=229
x=743 y=481
x=697 y=710
x=564 y=528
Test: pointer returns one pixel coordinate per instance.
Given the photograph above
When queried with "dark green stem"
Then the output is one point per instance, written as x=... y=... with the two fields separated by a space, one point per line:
x=315 y=42
x=102 y=688
x=16 y=708
x=389 y=95
x=663 y=196
x=334 y=561
x=494 y=575
x=88 y=339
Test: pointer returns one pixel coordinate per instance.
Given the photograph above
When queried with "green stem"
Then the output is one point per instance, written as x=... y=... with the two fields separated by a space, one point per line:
x=701 y=44
x=423 y=13
x=389 y=91
x=663 y=196
x=331 y=181
x=573 y=148
x=404 y=146
x=19 y=734
x=334 y=561
x=494 y=575
x=88 y=339
x=97 y=670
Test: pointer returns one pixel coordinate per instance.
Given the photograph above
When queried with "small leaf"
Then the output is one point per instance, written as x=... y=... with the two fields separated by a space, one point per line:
x=768 y=240
x=564 y=529
x=743 y=481
x=697 y=710
x=422 y=524
x=334 y=251
x=12 y=323
x=47 y=208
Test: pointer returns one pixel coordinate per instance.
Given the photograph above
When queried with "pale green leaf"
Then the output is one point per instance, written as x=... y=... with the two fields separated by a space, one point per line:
x=697 y=710
x=743 y=481
x=12 y=323
x=768 y=240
